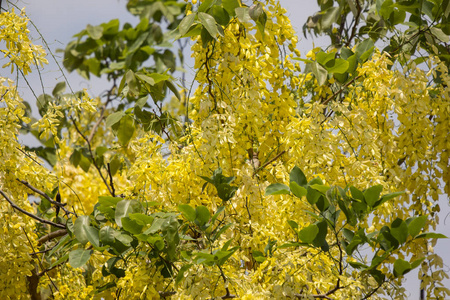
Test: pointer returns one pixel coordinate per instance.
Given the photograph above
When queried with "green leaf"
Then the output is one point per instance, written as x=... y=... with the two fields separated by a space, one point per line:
x=59 y=89
x=59 y=261
x=158 y=77
x=114 y=118
x=416 y=224
x=185 y=24
x=298 y=177
x=79 y=257
x=358 y=265
x=107 y=234
x=365 y=49
x=95 y=32
x=180 y=275
x=308 y=234
x=297 y=190
x=312 y=195
x=417 y=263
x=288 y=245
x=319 y=72
x=216 y=215
x=431 y=235
x=126 y=130
x=324 y=57
x=124 y=208
x=320 y=239
x=141 y=218
x=132 y=83
x=131 y=225
x=221 y=230
x=108 y=201
x=331 y=16
x=220 y=15
x=65 y=240
x=187 y=211
x=372 y=194
x=399 y=230
x=205 y=5
x=293 y=224
x=230 y=6
x=226 y=191
x=243 y=14
x=256 y=11
x=84 y=232
x=401 y=267
x=437 y=32
x=357 y=194
x=202 y=215
x=337 y=65
x=277 y=189
x=174 y=89
x=209 y=23
x=320 y=187
x=144 y=78
x=387 y=197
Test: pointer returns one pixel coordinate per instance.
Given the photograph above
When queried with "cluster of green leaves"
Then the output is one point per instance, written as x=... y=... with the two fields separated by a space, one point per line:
x=174 y=241
x=211 y=15
x=138 y=61
x=342 y=67
x=107 y=49
x=348 y=22
x=411 y=30
x=222 y=184
x=347 y=233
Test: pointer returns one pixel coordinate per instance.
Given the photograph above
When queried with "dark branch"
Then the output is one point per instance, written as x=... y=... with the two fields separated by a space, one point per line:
x=30 y=214
x=92 y=156
x=52 y=235
x=270 y=161
x=166 y=294
x=56 y=203
x=25 y=183
x=322 y=296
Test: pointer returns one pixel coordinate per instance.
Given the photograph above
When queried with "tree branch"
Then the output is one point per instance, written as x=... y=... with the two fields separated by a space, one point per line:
x=268 y=162
x=340 y=90
x=25 y=183
x=322 y=296
x=56 y=203
x=92 y=157
x=357 y=17
x=30 y=214
x=102 y=114
x=52 y=235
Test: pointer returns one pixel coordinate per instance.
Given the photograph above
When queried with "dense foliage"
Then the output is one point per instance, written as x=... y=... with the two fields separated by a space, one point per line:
x=259 y=181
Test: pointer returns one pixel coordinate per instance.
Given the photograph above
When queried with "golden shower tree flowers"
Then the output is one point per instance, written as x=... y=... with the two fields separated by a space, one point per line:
x=259 y=182
x=20 y=50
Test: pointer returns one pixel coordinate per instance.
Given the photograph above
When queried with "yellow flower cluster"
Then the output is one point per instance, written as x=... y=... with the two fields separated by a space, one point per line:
x=20 y=51
x=17 y=237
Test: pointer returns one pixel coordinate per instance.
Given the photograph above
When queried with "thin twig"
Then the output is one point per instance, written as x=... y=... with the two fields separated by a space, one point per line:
x=40 y=264
x=30 y=214
x=341 y=90
x=102 y=114
x=92 y=156
x=357 y=17
x=269 y=162
x=25 y=183
x=111 y=182
x=28 y=155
